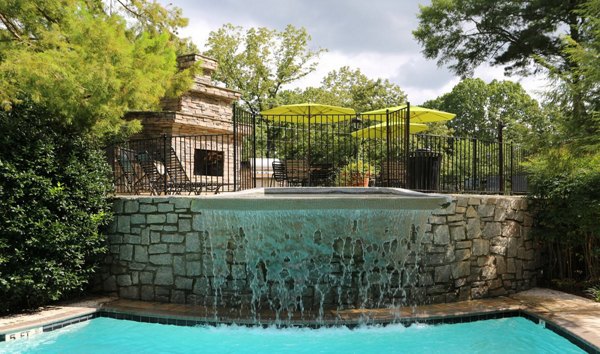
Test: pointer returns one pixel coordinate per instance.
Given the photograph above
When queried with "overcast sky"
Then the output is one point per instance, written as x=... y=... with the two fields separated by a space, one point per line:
x=372 y=35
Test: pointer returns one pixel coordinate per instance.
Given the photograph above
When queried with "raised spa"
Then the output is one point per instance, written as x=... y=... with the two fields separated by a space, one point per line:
x=303 y=253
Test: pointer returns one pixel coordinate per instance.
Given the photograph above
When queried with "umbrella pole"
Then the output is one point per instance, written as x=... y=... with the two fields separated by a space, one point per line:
x=308 y=150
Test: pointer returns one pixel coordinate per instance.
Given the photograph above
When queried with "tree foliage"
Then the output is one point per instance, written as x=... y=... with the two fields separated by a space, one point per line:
x=90 y=61
x=53 y=186
x=258 y=62
x=560 y=37
x=565 y=194
x=349 y=88
x=480 y=107
x=465 y=33
x=578 y=99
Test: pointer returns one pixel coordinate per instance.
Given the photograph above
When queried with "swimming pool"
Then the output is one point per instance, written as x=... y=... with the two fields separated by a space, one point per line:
x=107 y=335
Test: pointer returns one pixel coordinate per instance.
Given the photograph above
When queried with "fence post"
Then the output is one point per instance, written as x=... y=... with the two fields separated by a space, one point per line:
x=235 y=147
x=406 y=144
x=474 y=165
x=164 y=161
x=500 y=158
x=512 y=171
x=254 y=150
x=387 y=144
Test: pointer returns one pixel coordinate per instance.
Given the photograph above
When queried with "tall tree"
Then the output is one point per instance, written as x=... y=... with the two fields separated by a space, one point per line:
x=356 y=90
x=480 y=107
x=582 y=130
x=349 y=88
x=258 y=62
x=524 y=36
x=90 y=61
x=466 y=33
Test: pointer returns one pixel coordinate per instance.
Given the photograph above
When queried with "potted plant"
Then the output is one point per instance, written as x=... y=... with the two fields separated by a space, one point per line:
x=355 y=174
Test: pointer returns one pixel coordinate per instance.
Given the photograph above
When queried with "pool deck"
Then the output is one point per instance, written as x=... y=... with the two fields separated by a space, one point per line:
x=577 y=315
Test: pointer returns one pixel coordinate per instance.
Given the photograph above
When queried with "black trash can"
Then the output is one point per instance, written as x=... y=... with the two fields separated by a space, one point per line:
x=424 y=170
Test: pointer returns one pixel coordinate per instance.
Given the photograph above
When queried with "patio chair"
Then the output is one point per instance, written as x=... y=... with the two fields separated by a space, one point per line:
x=178 y=180
x=297 y=172
x=322 y=175
x=393 y=174
x=129 y=175
x=154 y=172
x=279 y=174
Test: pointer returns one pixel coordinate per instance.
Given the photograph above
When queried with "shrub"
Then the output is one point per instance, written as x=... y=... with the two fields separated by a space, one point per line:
x=565 y=193
x=53 y=184
x=355 y=174
x=594 y=292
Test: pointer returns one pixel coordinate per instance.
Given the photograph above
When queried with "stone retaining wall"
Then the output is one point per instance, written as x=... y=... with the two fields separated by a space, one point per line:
x=478 y=246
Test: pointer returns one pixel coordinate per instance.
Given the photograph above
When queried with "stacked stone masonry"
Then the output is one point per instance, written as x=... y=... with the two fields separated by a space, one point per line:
x=478 y=246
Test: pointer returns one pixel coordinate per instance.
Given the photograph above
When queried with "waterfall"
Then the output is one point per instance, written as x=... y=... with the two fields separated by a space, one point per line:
x=303 y=263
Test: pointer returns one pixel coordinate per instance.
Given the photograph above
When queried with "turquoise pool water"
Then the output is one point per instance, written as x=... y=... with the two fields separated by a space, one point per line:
x=105 y=335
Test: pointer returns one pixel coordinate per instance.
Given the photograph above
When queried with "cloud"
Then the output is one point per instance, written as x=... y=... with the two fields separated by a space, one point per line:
x=372 y=64
x=374 y=36
x=352 y=26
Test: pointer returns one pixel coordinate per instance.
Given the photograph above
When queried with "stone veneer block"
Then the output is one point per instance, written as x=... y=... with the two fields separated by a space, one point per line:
x=164 y=276
x=491 y=230
x=157 y=248
x=172 y=218
x=161 y=259
x=184 y=225
x=449 y=210
x=156 y=219
x=481 y=247
x=461 y=269
x=441 y=235
x=473 y=228
x=458 y=233
x=123 y=223
x=197 y=224
x=148 y=208
x=192 y=242
x=138 y=219
x=443 y=273
x=126 y=252
x=172 y=238
x=486 y=210
x=181 y=203
x=165 y=207
x=437 y=220
x=140 y=254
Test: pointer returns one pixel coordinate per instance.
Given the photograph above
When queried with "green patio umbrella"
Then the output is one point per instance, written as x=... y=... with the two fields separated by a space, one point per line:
x=381 y=130
x=307 y=114
x=417 y=114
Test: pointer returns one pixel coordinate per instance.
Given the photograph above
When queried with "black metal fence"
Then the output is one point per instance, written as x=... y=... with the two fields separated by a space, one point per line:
x=175 y=165
x=324 y=150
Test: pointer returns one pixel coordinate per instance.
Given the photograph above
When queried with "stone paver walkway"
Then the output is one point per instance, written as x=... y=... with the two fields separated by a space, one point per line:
x=52 y=314
x=577 y=315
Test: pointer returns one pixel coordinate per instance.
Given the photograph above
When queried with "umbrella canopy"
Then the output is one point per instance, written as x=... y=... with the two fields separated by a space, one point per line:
x=417 y=114
x=306 y=113
x=380 y=130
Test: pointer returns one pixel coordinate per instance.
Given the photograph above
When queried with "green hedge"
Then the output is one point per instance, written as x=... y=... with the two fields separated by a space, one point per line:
x=565 y=192
x=53 y=188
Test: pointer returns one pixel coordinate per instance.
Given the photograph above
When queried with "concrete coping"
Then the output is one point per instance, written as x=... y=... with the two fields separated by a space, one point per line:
x=309 y=198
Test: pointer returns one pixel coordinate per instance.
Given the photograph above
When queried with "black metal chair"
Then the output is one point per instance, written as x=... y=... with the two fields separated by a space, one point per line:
x=322 y=175
x=393 y=174
x=178 y=179
x=279 y=174
x=154 y=172
x=298 y=172
x=128 y=175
